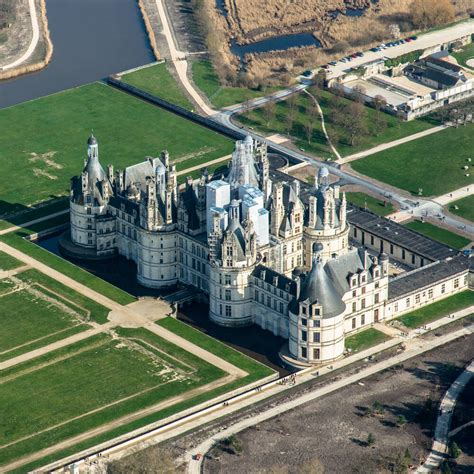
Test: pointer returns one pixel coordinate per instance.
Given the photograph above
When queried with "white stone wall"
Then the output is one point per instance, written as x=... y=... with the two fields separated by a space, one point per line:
x=83 y=225
x=334 y=241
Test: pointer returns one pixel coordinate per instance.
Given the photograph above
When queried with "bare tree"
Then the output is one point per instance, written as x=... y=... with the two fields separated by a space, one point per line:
x=354 y=122
x=308 y=126
x=427 y=13
x=269 y=112
x=380 y=121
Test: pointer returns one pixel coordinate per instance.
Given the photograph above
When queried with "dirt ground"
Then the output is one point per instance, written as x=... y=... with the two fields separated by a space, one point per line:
x=333 y=431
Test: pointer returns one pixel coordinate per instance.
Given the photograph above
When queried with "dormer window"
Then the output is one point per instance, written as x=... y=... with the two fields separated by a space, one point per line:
x=354 y=282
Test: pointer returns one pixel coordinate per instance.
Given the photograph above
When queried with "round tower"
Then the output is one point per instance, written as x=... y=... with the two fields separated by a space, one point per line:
x=326 y=221
x=316 y=317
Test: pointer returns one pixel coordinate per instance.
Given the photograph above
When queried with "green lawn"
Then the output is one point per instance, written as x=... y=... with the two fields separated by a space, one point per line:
x=365 y=339
x=158 y=81
x=433 y=163
x=220 y=96
x=465 y=208
x=437 y=310
x=373 y=204
x=16 y=239
x=437 y=233
x=43 y=142
x=395 y=128
x=8 y=263
x=466 y=53
x=97 y=380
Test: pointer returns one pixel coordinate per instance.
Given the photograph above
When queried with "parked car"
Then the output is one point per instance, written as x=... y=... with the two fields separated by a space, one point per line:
x=333 y=63
x=360 y=54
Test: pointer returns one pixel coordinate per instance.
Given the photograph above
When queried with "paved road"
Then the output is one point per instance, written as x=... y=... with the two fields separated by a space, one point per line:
x=34 y=40
x=414 y=348
x=446 y=410
x=424 y=41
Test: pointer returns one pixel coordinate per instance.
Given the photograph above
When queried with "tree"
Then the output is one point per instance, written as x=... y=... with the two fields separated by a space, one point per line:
x=354 y=122
x=394 y=31
x=370 y=439
x=358 y=93
x=428 y=13
x=401 y=420
x=269 y=112
x=309 y=122
x=454 y=450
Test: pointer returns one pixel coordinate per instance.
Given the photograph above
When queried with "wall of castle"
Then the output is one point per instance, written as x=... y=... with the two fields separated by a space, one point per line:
x=231 y=296
x=83 y=224
x=316 y=341
x=193 y=262
x=334 y=242
x=425 y=296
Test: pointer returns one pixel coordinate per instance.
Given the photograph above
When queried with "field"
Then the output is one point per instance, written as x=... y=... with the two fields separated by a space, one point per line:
x=220 y=96
x=437 y=233
x=465 y=208
x=365 y=339
x=375 y=205
x=43 y=143
x=90 y=383
x=7 y=262
x=157 y=80
x=394 y=130
x=434 y=163
x=437 y=310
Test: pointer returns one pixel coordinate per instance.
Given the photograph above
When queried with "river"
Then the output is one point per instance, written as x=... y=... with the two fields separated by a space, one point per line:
x=92 y=39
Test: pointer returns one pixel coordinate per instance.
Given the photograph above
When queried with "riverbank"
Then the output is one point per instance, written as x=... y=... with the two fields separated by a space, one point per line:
x=43 y=51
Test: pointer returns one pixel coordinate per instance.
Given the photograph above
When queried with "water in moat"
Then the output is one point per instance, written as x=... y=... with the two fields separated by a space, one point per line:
x=92 y=39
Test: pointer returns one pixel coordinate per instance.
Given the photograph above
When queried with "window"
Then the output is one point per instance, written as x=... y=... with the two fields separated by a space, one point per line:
x=362 y=304
x=228 y=310
x=407 y=302
x=227 y=279
x=371 y=240
x=363 y=290
x=256 y=295
x=303 y=352
x=316 y=353
x=391 y=249
x=220 y=309
x=304 y=336
x=376 y=315
x=354 y=307
x=303 y=310
x=362 y=320
x=354 y=293
x=353 y=323
x=443 y=288
x=377 y=284
x=413 y=258
x=456 y=283
x=417 y=298
x=317 y=311
x=304 y=322
x=228 y=295
x=269 y=301
x=376 y=298
x=403 y=254
x=396 y=306
x=355 y=232
x=363 y=279
x=89 y=210
x=316 y=324
x=430 y=293
x=316 y=337
x=281 y=307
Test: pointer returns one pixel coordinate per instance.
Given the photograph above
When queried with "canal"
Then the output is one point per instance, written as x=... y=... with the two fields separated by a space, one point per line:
x=92 y=39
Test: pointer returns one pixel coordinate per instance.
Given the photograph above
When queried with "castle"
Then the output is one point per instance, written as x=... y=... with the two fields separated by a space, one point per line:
x=260 y=248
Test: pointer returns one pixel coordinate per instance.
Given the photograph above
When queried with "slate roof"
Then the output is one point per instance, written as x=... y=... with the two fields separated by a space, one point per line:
x=425 y=276
x=267 y=275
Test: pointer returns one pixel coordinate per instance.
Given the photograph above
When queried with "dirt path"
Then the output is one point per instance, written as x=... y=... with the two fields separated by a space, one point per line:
x=34 y=41
x=35 y=221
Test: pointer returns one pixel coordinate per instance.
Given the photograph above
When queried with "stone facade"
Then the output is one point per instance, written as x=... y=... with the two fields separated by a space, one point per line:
x=251 y=245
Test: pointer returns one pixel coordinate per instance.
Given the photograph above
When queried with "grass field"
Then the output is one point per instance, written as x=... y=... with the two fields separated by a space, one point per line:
x=466 y=53
x=373 y=204
x=365 y=339
x=157 y=80
x=43 y=142
x=8 y=263
x=437 y=310
x=220 y=96
x=90 y=383
x=17 y=240
x=465 y=208
x=437 y=233
x=433 y=163
x=395 y=129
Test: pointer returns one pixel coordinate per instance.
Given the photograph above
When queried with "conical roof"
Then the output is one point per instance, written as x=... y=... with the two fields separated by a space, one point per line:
x=317 y=287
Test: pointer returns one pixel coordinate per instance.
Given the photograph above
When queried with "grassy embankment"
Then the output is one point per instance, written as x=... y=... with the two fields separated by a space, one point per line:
x=437 y=310
x=158 y=81
x=255 y=370
x=465 y=208
x=433 y=163
x=395 y=128
x=220 y=96
x=365 y=339
x=439 y=234
x=40 y=156
x=464 y=55
x=373 y=204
